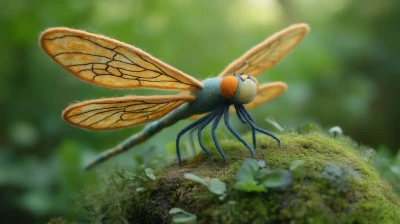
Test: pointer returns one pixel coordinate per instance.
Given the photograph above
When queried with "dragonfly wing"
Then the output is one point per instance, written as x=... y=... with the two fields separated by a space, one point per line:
x=267 y=92
x=269 y=52
x=106 y=62
x=120 y=112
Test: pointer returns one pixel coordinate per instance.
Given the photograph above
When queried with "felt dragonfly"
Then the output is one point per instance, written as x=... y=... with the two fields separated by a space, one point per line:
x=110 y=63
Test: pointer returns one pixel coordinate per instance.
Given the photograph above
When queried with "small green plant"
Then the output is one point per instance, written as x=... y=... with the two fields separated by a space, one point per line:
x=150 y=173
x=181 y=216
x=335 y=131
x=214 y=185
x=251 y=177
x=339 y=176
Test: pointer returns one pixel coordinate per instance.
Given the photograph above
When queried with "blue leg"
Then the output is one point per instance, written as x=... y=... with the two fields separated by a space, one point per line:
x=228 y=125
x=240 y=116
x=200 y=129
x=249 y=119
x=183 y=131
x=214 y=127
x=192 y=140
x=243 y=116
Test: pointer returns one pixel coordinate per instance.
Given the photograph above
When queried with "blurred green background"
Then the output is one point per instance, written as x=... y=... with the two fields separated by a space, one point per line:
x=346 y=72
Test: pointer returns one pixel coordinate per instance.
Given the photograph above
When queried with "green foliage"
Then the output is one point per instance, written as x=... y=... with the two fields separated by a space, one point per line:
x=214 y=185
x=351 y=192
x=111 y=203
x=251 y=177
x=181 y=216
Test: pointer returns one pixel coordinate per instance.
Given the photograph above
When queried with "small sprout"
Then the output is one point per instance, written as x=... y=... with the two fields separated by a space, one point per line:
x=181 y=216
x=261 y=163
x=335 y=131
x=150 y=173
x=140 y=189
x=252 y=178
x=214 y=185
x=307 y=128
x=339 y=175
x=275 y=124
x=295 y=164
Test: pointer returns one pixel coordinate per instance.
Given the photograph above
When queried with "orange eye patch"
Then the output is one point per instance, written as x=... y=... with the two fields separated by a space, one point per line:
x=228 y=86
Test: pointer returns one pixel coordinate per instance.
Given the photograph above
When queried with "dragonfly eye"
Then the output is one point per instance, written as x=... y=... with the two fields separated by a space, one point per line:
x=228 y=86
x=247 y=90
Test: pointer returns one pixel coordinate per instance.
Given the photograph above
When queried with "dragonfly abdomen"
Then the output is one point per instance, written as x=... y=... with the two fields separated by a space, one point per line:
x=147 y=132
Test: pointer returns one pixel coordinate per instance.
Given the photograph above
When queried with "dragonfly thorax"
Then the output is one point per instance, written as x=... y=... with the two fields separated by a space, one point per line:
x=239 y=89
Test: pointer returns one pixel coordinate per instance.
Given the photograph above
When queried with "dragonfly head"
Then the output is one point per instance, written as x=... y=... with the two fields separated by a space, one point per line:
x=239 y=89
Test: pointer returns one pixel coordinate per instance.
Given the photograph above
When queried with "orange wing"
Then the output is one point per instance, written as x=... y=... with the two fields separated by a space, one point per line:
x=106 y=62
x=113 y=113
x=269 y=52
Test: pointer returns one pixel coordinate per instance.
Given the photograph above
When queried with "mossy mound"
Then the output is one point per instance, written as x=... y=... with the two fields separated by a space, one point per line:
x=311 y=197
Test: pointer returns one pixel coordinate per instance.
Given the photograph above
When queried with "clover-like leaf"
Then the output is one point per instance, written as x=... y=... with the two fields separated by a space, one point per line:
x=217 y=187
x=247 y=170
x=150 y=173
x=278 y=178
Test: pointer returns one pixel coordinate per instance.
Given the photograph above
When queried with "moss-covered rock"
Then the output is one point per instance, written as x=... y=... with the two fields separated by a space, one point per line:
x=311 y=198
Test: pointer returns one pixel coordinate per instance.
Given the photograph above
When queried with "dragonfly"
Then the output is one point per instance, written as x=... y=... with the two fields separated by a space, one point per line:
x=106 y=62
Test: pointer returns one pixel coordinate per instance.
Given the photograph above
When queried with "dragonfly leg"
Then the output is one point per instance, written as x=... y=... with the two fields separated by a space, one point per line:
x=200 y=129
x=228 y=125
x=249 y=119
x=191 y=138
x=241 y=116
x=183 y=131
x=214 y=127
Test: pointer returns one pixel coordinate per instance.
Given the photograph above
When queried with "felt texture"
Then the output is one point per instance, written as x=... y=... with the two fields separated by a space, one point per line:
x=107 y=62
x=229 y=86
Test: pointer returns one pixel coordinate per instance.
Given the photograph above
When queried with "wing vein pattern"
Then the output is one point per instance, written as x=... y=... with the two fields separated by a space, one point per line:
x=113 y=113
x=106 y=62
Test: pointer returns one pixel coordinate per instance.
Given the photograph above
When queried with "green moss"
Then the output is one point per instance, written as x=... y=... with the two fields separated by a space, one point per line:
x=311 y=198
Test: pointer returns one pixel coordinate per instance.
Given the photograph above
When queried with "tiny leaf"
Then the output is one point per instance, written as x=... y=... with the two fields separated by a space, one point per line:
x=192 y=177
x=184 y=218
x=247 y=170
x=150 y=173
x=278 y=178
x=217 y=187
x=175 y=211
